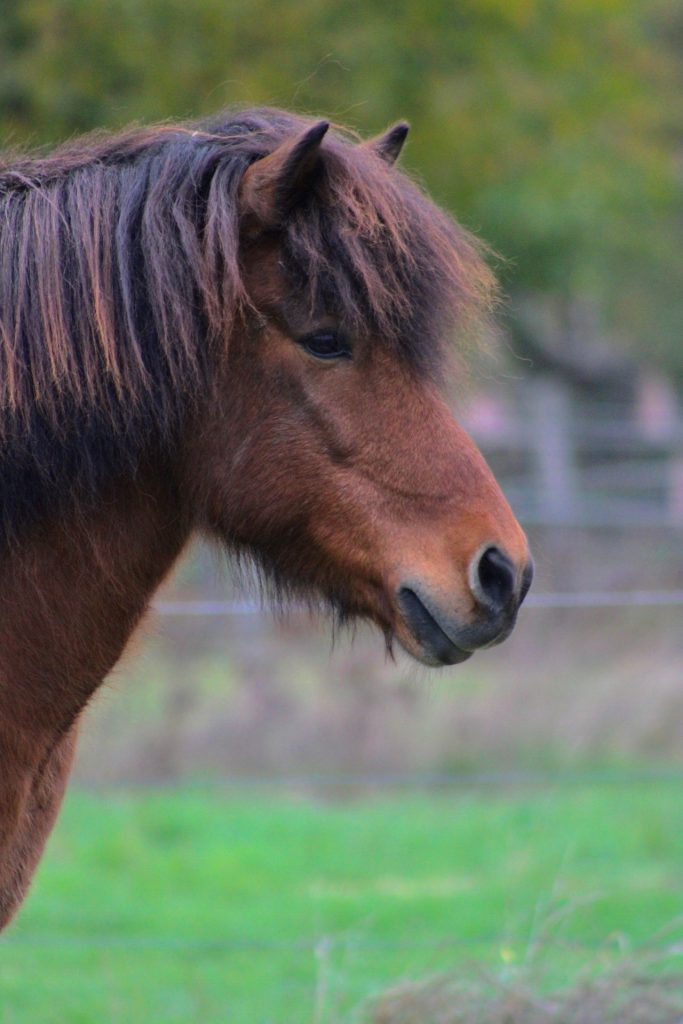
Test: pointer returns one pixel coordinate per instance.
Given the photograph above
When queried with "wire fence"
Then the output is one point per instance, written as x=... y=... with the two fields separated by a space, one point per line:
x=314 y=944
x=452 y=782
x=465 y=780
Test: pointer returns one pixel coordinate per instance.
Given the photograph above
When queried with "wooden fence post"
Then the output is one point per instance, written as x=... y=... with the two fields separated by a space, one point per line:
x=556 y=483
x=675 y=490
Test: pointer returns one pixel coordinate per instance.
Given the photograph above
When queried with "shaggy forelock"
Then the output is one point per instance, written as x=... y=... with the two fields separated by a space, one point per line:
x=370 y=248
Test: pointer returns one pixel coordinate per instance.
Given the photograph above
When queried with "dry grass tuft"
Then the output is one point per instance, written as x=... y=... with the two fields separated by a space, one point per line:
x=620 y=997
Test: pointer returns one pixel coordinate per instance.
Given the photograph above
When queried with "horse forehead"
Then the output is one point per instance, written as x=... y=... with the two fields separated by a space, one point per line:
x=263 y=273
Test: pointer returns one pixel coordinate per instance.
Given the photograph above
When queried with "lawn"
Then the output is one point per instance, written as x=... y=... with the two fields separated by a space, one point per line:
x=201 y=905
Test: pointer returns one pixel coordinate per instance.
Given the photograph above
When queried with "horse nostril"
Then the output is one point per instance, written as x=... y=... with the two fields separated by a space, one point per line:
x=493 y=579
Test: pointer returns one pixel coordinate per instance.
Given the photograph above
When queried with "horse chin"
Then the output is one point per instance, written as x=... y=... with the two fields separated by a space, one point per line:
x=422 y=635
x=430 y=647
x=442 y=658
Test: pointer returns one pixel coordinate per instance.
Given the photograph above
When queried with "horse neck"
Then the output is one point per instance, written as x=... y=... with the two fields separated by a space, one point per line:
x=73 y=593
x=71 y=596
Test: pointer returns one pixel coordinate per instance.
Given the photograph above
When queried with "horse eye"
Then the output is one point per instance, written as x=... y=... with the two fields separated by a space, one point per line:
x=326 y=345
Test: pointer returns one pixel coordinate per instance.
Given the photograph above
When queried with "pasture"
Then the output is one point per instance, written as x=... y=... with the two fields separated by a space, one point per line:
x=257 y=907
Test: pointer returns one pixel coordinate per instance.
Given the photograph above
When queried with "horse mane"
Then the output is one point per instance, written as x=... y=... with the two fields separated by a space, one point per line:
x=120 y=284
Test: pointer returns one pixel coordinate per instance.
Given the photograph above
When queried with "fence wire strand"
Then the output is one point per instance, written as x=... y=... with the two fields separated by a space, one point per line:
x=561 y=599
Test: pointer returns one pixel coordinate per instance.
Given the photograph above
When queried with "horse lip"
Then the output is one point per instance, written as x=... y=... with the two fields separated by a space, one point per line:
x=433 y=640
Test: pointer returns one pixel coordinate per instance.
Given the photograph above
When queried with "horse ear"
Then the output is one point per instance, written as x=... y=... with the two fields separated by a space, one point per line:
x=272 y=186
x=389 y=145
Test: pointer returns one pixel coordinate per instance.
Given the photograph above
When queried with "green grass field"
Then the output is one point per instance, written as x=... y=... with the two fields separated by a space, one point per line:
x=204 y=906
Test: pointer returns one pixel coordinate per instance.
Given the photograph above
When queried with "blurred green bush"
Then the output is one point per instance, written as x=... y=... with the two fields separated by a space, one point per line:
x=551 y=128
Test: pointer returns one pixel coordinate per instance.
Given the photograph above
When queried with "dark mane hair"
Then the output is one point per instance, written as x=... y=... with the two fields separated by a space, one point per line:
x=120 y=283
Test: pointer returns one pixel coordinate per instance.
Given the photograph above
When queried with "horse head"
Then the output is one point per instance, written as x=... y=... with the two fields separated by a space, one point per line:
x=333 y=457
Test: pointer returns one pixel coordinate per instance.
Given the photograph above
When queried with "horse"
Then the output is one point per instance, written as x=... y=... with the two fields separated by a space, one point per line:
x=235 y=328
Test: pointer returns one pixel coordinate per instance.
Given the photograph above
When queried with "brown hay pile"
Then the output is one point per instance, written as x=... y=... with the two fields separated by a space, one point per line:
x=622 y=997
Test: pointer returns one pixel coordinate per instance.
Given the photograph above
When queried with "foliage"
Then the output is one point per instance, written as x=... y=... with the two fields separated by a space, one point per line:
x=550 y=127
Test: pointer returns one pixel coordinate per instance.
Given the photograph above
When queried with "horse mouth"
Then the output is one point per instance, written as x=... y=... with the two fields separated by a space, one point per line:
x=428 y=642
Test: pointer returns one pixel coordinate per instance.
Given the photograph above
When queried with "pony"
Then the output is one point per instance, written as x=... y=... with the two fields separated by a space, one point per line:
x=236 y=328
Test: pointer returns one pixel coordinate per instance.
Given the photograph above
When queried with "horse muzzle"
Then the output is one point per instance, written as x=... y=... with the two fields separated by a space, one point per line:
x=437 y=636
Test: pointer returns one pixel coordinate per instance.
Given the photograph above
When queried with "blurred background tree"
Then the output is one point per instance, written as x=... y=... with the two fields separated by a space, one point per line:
x=551 y=128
